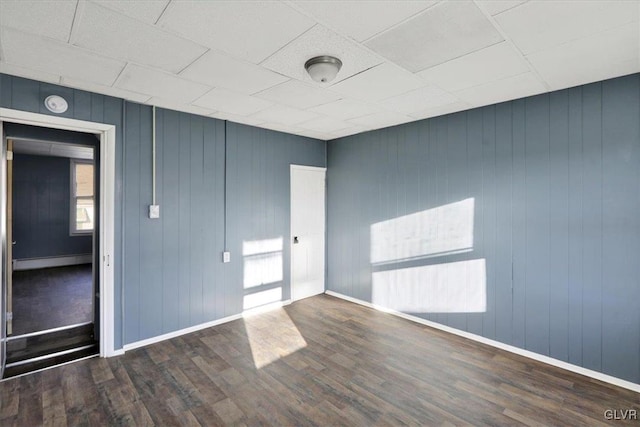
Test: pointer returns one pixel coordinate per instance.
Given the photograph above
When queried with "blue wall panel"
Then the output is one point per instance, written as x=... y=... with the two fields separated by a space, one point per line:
x=169 y=273
x=556 y=190
x=174 y=273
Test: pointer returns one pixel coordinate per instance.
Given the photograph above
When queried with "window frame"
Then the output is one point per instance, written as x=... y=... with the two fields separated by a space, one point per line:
x=73 y=231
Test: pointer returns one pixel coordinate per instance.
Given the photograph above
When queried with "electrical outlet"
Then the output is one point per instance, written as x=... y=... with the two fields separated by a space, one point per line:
x=226 y=256
x=154 y=211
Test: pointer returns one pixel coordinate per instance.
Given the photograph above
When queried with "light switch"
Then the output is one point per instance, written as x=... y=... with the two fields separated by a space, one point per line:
x=154 y=211
x=226 y=256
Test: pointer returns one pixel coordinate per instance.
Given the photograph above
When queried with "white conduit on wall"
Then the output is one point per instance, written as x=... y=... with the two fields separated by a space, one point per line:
x=153 y=157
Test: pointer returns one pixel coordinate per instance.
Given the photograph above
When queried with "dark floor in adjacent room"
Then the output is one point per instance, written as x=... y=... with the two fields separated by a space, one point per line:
x=51 y=297
x=320 y=361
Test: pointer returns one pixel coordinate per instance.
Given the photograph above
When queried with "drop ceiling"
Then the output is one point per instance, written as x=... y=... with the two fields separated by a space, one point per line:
x=243 y=61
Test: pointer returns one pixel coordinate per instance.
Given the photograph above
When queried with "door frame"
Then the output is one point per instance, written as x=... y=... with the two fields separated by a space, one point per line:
x=324 y=273
x=106 y=248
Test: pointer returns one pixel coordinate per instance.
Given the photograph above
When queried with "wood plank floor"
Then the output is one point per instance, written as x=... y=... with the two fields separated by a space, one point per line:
x=321 y=361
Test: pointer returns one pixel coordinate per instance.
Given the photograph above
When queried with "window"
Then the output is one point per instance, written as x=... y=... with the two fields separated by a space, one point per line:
x=82 y=212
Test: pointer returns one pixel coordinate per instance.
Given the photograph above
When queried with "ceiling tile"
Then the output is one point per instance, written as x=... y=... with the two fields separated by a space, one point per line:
x=45 y=18
x=483 y=66
x=351 y=130
x=572 y=64
x=381 y=82
x=494 y=7
x=143 y=10
x=280 y=127
x=245 y=29
x=51 y=56
x=318 y=41
x=231 y=102
x=344 y=109
x=380 y=120
x=220 y=70
x=515 y=87
x=420 y=100
x=245 y=120
x=439 y=34
x=121 y=37
x=159 y=84
x=28 y=73
x=297 y=94
x=283 y=115
x=539 y=25
x=176 y=106
x=325 y=124
x=441 y=110
x=105 y=90
x=293 y=130
x=361 y=20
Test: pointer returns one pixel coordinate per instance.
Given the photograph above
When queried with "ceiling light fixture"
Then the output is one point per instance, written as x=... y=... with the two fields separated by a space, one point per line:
x=323 y=69
x=56 y=104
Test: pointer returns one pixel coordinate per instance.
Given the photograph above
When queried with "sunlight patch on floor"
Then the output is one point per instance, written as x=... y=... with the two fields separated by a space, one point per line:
x=272 y=336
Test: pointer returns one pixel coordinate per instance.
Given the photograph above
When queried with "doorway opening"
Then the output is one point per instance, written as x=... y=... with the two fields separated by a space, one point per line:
x=52 y=212
x=101 y=260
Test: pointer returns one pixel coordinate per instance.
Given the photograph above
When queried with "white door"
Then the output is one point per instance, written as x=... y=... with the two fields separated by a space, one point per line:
x=307 y=231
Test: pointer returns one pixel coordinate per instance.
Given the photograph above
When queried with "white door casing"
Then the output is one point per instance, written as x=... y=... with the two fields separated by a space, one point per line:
x=107 y=135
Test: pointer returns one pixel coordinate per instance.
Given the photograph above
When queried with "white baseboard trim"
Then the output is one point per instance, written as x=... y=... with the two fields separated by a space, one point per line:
x=163 y=337
x=48 y=262
x=526 y=353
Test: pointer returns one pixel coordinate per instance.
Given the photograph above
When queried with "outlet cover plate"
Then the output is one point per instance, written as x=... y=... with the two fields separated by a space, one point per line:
x=154 y=211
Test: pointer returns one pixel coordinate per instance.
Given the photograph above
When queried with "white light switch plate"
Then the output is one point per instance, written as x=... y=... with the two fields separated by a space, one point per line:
x=154 y=211
x=226 y=256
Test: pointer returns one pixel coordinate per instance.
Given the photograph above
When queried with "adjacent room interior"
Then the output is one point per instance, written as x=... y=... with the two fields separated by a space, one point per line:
x=50 y=224
x=320 y=213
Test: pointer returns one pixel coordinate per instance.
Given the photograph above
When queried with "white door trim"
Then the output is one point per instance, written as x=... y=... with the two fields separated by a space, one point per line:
x=107 y=134
x=307 y=168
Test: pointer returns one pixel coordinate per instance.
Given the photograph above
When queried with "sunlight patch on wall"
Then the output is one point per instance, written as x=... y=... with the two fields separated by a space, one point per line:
x=438 y=231
x=456 y=287
x=263 y=263
x=274 y=338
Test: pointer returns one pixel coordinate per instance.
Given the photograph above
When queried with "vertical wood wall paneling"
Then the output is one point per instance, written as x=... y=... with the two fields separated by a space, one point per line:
x=474 y=142
x=592 y=228
x=503 y=239
x=537 y=224
x=457 y=190
x=519 y=235
x=168 y=196
x=576 y=225
x=620 y=245
x=132 y=214
x=489 y=215
x=555 y=183
x=559 y=221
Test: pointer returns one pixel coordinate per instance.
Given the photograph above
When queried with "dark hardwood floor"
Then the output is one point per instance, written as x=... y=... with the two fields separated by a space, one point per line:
x=51 y=297
x=320 y=361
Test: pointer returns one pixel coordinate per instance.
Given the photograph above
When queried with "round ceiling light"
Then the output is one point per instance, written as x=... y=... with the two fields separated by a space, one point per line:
x=56 y=104
x=323 y=69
